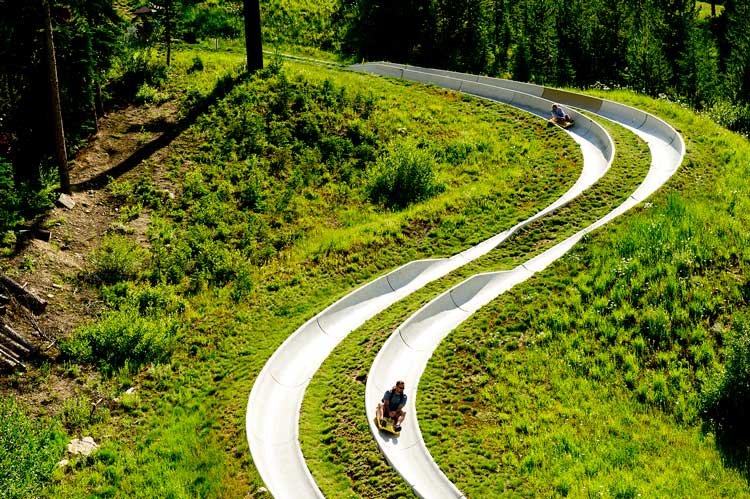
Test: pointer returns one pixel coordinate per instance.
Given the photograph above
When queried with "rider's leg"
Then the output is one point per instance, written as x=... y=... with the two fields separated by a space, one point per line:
x=400 y=419
x=379 y=412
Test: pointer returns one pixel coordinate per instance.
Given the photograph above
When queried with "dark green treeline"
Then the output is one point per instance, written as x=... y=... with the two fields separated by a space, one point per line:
x=652 y=46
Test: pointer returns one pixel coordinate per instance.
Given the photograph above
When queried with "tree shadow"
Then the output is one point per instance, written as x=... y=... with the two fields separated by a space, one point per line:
x=221 y=89
x=156 y=125
x=735 y=455
x=734 y=450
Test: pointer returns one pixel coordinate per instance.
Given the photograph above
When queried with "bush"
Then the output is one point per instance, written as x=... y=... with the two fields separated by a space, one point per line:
x=734 y=117
x=9 y=215
x=117 y=259
x=726 y=401
x=403 y=176
x=137 y=68
x=197 y=65
x=149 y=95
x=122 y=338
x=29 y=452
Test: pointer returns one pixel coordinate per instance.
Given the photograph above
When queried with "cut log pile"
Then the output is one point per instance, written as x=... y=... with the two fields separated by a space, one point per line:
x=15 y=346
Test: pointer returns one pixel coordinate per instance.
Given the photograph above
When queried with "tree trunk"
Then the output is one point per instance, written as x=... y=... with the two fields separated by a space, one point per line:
x=62 y=154
x=168 y=32
x=253 y=40
x=713 y=8
x=98 y=100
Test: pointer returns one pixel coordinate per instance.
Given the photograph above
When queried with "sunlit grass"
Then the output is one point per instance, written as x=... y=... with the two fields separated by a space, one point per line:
x=585 y=380
x=344 y=371
x=704 y=9
x=581 y=382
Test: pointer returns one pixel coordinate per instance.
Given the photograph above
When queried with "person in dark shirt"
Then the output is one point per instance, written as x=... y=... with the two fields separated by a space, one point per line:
x=392 y=406
x=559 y=115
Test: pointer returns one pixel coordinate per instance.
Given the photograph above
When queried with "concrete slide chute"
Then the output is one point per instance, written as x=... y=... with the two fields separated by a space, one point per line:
x=274 y=403
x=407 y=351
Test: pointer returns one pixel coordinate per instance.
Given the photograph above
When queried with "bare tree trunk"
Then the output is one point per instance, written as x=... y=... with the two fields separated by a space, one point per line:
x=253 y=40
x=168 y=17
x=98 y=100
x=713 y=8
x=62 y=154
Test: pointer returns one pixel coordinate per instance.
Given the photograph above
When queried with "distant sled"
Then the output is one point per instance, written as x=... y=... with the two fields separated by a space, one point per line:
x=564 y=125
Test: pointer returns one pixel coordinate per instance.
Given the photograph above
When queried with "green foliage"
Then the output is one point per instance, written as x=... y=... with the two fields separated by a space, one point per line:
x=735 y=117
x=123 y=338
x=302 y=24
x=651 y=46
x=117 y=259
x=9 y=211
x=197 y=65
x=726 y=400
x=403 y=175
x=29 y=452
x=137 y=68
x=209 y=20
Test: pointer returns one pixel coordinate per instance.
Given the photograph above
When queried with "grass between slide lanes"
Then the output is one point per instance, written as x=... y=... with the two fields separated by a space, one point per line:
x=336 y=441
x=269 y=227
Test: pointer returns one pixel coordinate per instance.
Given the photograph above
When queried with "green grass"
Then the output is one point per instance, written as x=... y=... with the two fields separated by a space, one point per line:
x=704 y=9
x=29 y=451
x=587 y=378
x=327 y=432
x=256 y=242
x=583 y=381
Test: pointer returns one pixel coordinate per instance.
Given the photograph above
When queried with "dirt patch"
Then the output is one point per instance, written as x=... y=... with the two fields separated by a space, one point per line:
x=57 y=270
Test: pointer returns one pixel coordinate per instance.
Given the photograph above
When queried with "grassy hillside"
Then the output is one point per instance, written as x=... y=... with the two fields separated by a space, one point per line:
x=275 y=214
x=586 y=380
x=592 y=377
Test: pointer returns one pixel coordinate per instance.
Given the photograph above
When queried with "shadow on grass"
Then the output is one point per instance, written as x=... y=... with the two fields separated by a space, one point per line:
x=726 y=400
x=221 y=89
x=735 y=452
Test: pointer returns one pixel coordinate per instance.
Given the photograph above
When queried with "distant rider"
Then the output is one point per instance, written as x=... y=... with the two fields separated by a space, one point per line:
x=559 y=115
x=392 y=406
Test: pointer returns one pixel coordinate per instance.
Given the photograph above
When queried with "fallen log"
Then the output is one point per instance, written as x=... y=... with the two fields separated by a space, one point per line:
x=13 y=344
x=17 y=337
x=26 y=297
x=10 y=354
x=9 y=362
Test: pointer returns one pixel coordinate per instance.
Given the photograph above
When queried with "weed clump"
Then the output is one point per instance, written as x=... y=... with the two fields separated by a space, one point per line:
x=403 y=176
x=122 y=338
x=29 y=452
x=726 y=401
x=117 y=260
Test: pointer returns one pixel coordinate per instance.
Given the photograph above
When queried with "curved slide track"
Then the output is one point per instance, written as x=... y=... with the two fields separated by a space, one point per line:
x=407 y=351
x=272 y=420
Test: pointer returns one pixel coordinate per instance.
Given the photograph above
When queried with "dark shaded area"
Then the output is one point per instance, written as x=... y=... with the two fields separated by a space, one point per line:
x=726 y=401
x=222 y=88
x=157 y=125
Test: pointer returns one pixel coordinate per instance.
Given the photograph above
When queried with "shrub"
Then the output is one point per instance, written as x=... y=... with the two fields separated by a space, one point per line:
x=734 y=117
x=726 y=401
x=149 y=95
x=9 y=215
x=403 y=176
x=117 y=259
x=29 y=452
x=137 y=68
x=122 y=338
x=197 y=65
